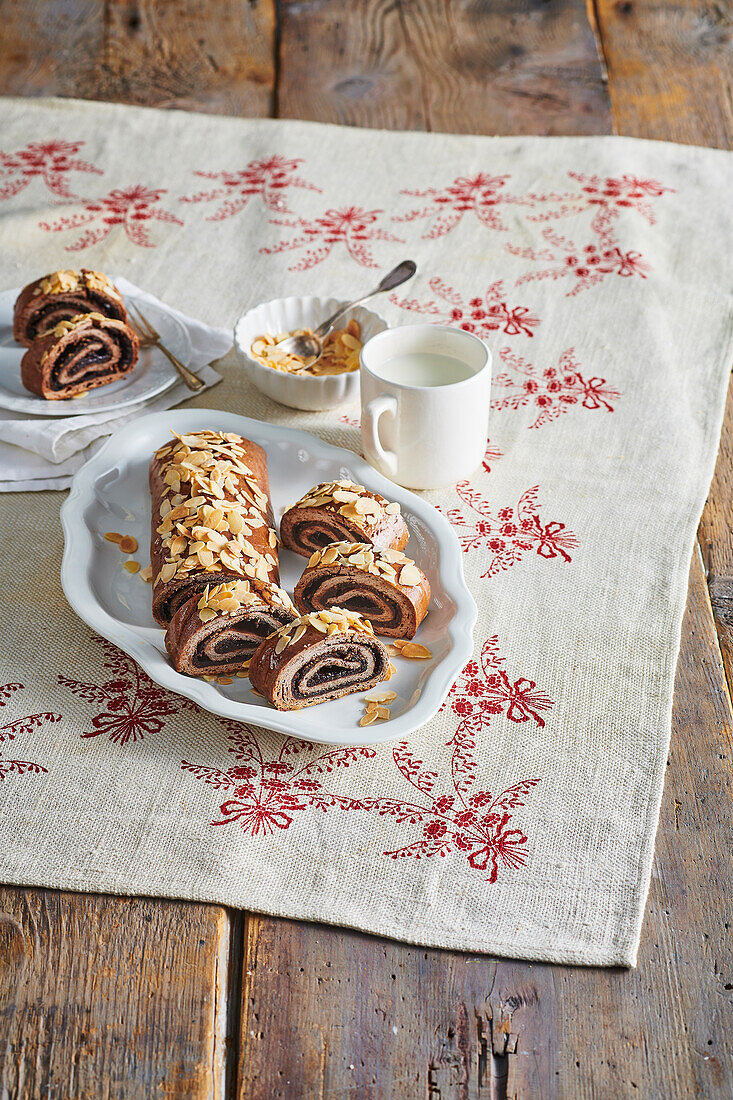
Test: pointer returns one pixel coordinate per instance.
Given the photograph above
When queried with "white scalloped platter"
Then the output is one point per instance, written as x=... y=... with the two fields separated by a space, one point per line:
x=110 y=493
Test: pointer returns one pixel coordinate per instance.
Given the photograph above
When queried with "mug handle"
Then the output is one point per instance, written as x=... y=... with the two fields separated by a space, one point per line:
x=384 y=461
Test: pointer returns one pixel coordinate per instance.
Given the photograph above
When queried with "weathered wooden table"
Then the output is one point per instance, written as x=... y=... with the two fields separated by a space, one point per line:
x=118 y=998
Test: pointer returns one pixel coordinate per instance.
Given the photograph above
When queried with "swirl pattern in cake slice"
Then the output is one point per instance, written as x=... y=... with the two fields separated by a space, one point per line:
x=78 y=355
x=384 y=586
x=41 y=305
x=341 y=511
x=219 y=631
x=317 y=658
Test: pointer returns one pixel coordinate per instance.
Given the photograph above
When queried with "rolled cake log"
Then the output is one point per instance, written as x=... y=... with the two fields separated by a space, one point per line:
x=63 y=295
x=340 y=511
x=212 y=517
x=78 y=355
x=384 y=586
x=219 y=631
x=318 y=657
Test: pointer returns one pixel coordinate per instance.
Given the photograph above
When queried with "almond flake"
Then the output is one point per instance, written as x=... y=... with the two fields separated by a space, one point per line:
x=392 y=509
x=368 y=718
x=167 y=573
x=381 y=695
x=132 y=566
x=410 y=576
x=415 y=652
x=113 y=536
x=128 y=544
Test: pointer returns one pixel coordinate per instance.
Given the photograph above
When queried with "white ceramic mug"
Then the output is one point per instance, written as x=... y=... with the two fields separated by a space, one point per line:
x=425 y=436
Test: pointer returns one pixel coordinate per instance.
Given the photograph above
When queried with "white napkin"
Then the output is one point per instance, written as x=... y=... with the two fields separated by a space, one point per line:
x=43 y=452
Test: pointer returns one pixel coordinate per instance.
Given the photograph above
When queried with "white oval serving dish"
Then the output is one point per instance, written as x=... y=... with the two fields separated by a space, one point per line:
x=304 y=391
x=110 y=493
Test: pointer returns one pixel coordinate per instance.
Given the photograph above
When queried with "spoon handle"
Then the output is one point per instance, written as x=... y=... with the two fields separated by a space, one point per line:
x=394 y=278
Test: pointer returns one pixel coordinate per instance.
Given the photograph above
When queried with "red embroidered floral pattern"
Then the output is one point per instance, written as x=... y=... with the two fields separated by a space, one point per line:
x=484 y=689
x=511 y=533
x=586 y=266
x=473 y=822
x=550 y=392
x=132 y=705
x=606 y=198
x=480 y=195
x=351 y=226
x=490 y=454
x=50 y=161
x=132 y=208
x=268 y=179
x=11 y=730
x=481 y=315
x=267 y=792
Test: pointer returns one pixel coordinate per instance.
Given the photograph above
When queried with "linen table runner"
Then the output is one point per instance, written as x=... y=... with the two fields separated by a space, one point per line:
x=521 y=820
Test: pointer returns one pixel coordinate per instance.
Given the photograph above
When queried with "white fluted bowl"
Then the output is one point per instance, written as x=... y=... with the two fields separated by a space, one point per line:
x=304 y=391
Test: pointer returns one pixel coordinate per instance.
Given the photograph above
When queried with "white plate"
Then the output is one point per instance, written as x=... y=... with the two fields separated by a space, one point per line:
x=110 y=493
x=152 y=374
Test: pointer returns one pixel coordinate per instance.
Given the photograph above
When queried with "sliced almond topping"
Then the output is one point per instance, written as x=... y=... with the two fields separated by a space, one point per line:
x=114 y=536
x=205 y=557
x=226 y=680
x=167 y=572
x=132 y=566
x=383 y=713
x=146 y=574
x=415 y=652
x=329 y=555
x=366 y=506
x=368 y=718
x=128 y=544
x=410 y=576
x=319 y=624
x=392 y=509
x=206 y=614
x=381 y=695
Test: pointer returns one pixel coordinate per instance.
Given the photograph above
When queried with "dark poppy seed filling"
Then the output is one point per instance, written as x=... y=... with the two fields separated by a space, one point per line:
x=49 y=313
x=337 y=670
x=90 y=356
x=310 y=536
x=78 y=355
x=236 y=642
x=322 y=592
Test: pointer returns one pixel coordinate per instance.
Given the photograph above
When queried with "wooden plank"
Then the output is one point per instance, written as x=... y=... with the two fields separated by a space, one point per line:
x=515 y=67
x=217 y=56
x=111 y=997
x=50 y=49
x=360 y=1016
x=669 y=68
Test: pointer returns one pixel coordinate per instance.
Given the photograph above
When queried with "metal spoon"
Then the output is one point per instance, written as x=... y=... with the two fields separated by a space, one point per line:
x=310 y=347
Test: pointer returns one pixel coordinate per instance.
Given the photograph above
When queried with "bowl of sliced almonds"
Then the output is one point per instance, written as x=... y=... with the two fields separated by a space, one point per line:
x=333 y=379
